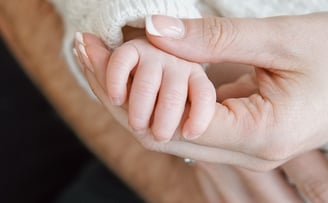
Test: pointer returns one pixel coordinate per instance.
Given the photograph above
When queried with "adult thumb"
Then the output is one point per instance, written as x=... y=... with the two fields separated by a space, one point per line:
x=214 y=39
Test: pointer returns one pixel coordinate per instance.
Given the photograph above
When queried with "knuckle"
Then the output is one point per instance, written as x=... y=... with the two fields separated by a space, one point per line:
x=256 y=122
x=220 y=34
x=172 y=99
x=316 y=191
x=119 y=56
x=144 y=88
x=114 y=88
x=207 y=95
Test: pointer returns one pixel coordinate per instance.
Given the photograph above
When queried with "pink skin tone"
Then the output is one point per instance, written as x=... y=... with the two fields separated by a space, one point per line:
x=272 y=125
x=222 y=182
x=156 y=86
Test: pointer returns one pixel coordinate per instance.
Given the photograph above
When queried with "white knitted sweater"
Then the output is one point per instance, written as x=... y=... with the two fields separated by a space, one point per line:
x=105 y=18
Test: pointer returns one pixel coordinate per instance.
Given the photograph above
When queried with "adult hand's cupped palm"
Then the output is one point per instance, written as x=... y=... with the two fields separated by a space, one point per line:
x=287 y=115
x=219 y=181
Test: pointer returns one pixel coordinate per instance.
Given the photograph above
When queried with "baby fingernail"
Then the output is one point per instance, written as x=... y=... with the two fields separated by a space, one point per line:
x=140 y=131
x=117 y=101
x=162 y=137
x=165 y=26
x=189 y=136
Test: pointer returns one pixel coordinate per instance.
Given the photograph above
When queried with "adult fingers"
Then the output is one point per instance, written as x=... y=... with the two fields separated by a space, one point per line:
x=93 y=56
x=261 y=42
x=309 y=172
x=98 y=54
x=180 y=147
x=249 y=185
x=221 y=183
x=228 y=120
x=269 y=186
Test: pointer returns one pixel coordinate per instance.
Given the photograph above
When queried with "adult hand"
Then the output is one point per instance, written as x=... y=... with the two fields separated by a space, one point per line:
x=312 y=183
x=288 y=114
x=94 y=57
x=308 y=172
x=267 y=128
x=223 y=182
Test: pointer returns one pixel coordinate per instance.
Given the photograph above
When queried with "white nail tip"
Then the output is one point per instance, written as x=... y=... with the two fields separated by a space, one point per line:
x=151 y=28
x=82 y=50
x=79 y=37
x=75 y=52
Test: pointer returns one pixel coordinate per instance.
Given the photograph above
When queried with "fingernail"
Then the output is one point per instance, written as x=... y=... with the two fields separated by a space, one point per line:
x=81 y=48
x=162 y=137
x=140 y=131
x=79 y=37
x=75 y=52
x=83 y=51
x=189 y=136
x=117 y=101
x=165 y=26
x=85 y=57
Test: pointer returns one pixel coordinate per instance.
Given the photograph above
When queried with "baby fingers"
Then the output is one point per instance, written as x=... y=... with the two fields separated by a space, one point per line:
x=143 y=94
x=122 y=62
x=171 y=102
x=202 y=97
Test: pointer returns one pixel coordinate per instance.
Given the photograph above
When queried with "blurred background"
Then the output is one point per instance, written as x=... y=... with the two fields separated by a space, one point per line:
x=41 y=159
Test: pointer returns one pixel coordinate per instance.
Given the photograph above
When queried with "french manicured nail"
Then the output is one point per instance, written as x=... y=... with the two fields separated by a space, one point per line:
x=165 y=26
x=75 y=52
x=83 y=53
x=85 y=57
x=79 y=37
x=78 y=58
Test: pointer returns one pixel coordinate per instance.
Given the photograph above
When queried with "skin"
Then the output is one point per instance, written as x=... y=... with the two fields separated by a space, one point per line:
x=157 y=86
x=274 y=124
x=222 y=182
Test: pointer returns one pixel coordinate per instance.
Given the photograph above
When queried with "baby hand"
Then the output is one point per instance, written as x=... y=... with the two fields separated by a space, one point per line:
x=157 y=86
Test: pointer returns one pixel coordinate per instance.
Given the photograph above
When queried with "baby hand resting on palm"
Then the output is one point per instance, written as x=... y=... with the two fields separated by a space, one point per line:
x=162 y=91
